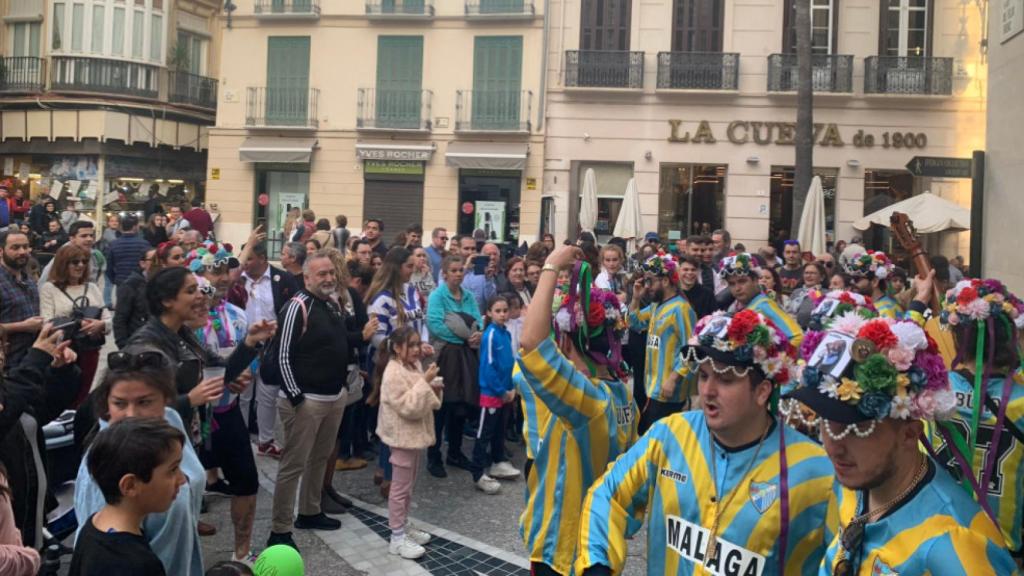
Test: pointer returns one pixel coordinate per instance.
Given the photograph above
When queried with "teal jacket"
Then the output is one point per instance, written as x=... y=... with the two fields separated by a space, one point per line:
x=441 y=303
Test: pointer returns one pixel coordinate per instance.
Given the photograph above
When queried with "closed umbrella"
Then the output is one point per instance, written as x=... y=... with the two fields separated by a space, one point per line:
x=928 y=212
x=812 y=222
x=588 y=204
x=628 y=225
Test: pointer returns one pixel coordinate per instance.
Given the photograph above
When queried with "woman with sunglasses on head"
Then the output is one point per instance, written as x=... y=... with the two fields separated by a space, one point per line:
x=69 y=296
x=140 y=384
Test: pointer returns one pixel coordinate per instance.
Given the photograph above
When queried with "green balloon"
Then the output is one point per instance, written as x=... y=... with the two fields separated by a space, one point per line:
x=279 y=560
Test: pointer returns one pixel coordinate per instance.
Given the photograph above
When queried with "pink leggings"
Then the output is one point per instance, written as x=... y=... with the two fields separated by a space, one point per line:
x=405 y=463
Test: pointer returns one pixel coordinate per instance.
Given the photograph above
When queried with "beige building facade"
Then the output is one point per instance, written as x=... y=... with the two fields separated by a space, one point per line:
x=1004 y=166
x=106 y=103
x=411 y=112
x=695 y=99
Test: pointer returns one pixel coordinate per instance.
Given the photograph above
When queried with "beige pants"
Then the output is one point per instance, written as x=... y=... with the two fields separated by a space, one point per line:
x=310 y=432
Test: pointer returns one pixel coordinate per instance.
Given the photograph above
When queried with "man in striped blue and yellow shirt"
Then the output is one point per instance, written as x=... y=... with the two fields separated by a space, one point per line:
x=592 y=415
x=741 y=272
x=726 y=490
x=669 y=321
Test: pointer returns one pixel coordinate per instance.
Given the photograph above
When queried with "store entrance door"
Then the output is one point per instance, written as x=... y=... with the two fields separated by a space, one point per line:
x=283 y=191
x=489 y=201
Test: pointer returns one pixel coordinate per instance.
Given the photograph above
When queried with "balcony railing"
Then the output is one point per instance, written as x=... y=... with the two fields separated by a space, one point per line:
x=378 y=109
x=288 y=8
x=911 y=75
x=78 y=74
x=272 y=107
x=698 y=70
x=493 y=110
x=829 y=73
x=397 y=9
x=191 y=89
x=604 y=69
x=499 y=8
x=22 y=74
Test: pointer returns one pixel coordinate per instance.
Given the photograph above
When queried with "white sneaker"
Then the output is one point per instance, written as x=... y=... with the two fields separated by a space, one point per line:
x=488 y=485
x=503 y=471
x=418 y=536
x=405 y=548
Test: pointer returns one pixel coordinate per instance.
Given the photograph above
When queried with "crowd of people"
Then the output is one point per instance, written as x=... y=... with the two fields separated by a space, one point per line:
x=760 y=414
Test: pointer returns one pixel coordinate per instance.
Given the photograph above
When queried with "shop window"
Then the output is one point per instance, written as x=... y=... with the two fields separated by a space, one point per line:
x=883 y=188
x=691 y=199
x=780 y=222
x=611 y=180
x=284 y=189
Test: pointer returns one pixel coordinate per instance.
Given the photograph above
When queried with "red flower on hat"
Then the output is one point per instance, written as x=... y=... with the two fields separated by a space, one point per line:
x=596 y=315
x=845 y=298
x=966 y=296
x=878 y=332
x=742 y=324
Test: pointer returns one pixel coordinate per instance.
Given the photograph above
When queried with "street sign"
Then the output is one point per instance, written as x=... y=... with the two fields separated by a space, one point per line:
x=936 y=167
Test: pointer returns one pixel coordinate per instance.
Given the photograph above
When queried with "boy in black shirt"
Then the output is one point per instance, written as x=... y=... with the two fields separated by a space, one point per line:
x=137 y=465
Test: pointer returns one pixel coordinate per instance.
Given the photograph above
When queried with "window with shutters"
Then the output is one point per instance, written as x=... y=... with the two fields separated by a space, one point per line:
x=824 y=27
x=287 y=91
x=697 y=25
x=399 y=92
x=497 y=82
x=605 y=24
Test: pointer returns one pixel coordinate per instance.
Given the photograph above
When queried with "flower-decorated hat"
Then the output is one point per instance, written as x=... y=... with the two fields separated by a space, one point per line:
x=595 y=318
x=210 y=255
x=980 y=300
x=861 y=263
x=744 y=341
x=830 y=306
x=741 y=264
x=661 y=265
x=871 y=369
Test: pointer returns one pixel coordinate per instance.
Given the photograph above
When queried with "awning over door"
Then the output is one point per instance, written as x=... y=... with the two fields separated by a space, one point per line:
x=487 y=155
x=277 y=149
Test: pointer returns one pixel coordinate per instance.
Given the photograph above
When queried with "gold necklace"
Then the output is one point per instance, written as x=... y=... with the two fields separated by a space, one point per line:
x=712 y=549
x=886 y=507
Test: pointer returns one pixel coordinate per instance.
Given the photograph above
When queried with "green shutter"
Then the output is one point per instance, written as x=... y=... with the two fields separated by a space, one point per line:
x=501 y=6
x=497 y=82
x=399 y=94
x=287 y=98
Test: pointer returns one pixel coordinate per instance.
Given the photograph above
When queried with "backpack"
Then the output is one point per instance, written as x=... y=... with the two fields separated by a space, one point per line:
x=270 y=366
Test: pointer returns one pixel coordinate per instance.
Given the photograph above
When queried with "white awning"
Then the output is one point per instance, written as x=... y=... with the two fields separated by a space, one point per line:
x=277 y=149
x=487 y=155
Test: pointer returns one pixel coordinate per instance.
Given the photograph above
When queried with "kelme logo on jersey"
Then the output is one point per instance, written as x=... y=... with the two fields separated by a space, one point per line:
x=763 y=495
x=691 y=542
x=880 y=568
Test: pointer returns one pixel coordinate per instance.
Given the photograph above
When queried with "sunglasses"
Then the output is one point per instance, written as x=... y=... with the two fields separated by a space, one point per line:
x=140 y=361
x=77 y=262
x=851 y=541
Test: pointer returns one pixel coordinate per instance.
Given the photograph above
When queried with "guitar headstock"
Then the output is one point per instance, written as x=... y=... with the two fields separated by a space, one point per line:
x=903 y=229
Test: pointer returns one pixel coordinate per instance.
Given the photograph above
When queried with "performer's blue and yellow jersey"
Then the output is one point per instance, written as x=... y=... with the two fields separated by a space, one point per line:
x=888 y=307
x=668 y=325
x=535 y=414
x=1006 y=484
x=771 y=310
x=667 y=475
x=592 y=422
x=938 y=530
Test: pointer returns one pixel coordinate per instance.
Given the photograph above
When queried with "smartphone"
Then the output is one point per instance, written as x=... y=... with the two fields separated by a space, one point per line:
x=68 y=329
x=480 y=264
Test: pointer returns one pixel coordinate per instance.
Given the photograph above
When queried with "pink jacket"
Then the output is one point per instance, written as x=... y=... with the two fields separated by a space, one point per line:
x=407 y=404
x=15 y=558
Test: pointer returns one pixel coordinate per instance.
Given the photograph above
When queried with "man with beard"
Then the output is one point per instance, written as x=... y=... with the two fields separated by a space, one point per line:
x=741 y=272
x=896 y=510
x=791 y=275
x=728 y=489
x=314 y=343
x=669 y=321
x=19 y=297
x=868 y=271
x=228 y=449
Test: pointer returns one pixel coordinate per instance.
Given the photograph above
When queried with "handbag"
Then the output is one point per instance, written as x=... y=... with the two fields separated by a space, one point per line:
x=82 y=310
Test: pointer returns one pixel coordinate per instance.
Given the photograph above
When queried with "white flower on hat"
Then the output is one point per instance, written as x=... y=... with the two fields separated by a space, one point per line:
x=829 y=387
x=849 y=323
x=900 y=408
x=910 y=335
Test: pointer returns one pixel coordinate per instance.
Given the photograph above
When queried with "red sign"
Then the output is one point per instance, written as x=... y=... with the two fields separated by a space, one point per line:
x=467 y=207
x=263 y=199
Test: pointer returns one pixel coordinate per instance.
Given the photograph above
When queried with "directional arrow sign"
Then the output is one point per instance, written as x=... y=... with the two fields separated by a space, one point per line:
x=937 y=167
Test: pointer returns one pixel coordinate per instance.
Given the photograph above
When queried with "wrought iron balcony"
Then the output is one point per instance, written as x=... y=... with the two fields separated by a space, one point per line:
x=499 y=8
x=493 y=110
x=274 y=107
x=698 y=70
x=908 y=75
x=393 y=109
x=22 y=74
x=400 y=9
x=118 y=77
x=287 y=8
x=191 y=89
x=604 y=69
x=829 y=73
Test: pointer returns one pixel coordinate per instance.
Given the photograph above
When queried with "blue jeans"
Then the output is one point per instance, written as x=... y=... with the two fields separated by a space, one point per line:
x=108 y=292
x=384 y=459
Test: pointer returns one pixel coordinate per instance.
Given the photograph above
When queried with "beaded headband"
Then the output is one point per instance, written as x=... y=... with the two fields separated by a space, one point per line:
x=861 y=263
x=742 y=341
